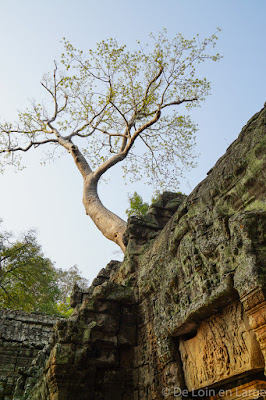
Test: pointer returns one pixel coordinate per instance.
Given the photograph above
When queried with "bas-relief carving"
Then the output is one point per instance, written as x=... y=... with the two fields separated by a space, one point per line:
x=223 y=347
x=250 y=391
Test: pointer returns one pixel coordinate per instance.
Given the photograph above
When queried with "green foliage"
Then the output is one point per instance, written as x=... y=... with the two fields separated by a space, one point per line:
x=136 y=205
x=27 y=278
x=116 y=102
x=66 y=279
x=29 y=281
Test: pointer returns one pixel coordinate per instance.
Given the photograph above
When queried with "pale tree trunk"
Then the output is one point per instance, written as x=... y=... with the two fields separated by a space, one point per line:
x=111 y=226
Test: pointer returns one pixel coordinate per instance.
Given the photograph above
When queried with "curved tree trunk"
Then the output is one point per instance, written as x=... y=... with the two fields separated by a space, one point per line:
x=111 y=226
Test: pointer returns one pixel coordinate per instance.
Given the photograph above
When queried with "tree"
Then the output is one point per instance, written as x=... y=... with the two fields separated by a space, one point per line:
x=136 y=205
x=29 y=281
x=66 y=279
x=115 y=106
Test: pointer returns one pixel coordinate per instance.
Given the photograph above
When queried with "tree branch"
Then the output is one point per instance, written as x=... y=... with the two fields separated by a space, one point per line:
x=178 y=102
x=88 y=123
x=34 y=144
x=151 y=82
x=141 y=129
x=79 y=159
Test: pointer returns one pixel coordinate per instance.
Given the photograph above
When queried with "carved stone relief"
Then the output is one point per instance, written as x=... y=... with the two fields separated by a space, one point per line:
x=223 y=347
x=249 y=391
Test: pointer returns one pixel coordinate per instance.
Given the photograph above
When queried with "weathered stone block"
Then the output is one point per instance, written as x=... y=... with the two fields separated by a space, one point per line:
x=114 y=292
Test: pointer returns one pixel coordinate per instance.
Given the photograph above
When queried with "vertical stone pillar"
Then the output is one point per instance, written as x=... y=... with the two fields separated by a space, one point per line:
x=254 y=304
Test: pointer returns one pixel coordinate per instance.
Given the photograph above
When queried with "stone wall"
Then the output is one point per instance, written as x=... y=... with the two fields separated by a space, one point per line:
x=22 y=336
x=210 y=255
x=91 y=353
x=184 y=315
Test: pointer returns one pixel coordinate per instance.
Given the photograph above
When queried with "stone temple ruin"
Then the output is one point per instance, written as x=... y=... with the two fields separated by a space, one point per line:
x=183 y=316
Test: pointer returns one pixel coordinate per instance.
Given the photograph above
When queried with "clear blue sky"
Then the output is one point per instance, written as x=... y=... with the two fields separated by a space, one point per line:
x=49 y=198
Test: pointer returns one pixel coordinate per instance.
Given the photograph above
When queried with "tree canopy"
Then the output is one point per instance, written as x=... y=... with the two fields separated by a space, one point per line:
x=112 y=105
x=29 y=281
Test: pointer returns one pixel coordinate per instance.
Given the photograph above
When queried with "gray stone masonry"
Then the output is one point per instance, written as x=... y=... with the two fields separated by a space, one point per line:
x=22 y=336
